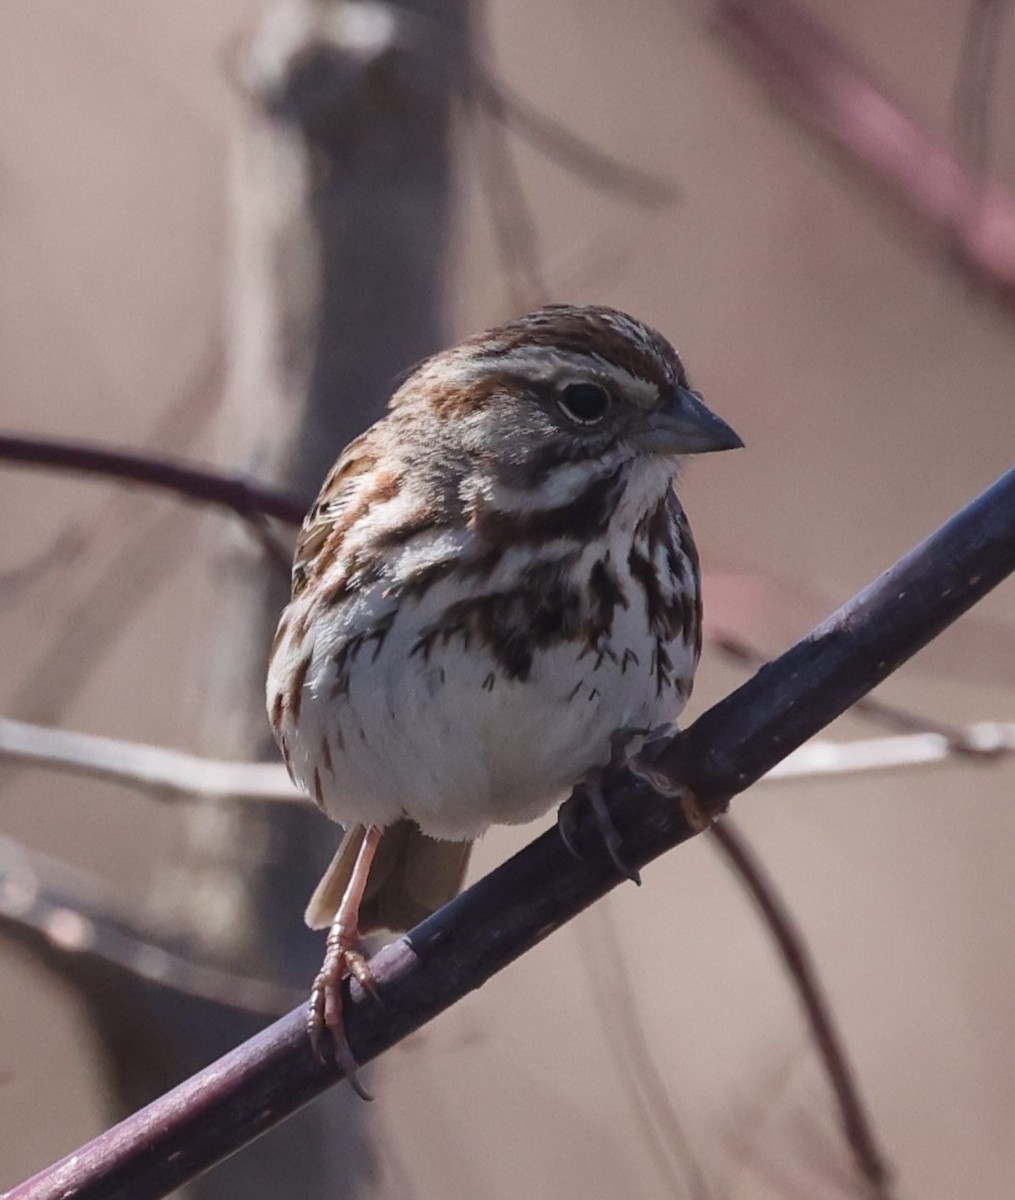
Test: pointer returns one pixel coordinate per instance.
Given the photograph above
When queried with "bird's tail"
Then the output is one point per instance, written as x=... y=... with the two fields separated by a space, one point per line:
x=411 y=876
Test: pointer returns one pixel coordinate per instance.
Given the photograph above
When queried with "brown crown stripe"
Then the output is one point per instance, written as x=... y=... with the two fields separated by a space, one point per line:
x=592 y=333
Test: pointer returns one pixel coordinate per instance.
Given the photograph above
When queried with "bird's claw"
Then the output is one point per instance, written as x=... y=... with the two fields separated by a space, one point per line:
x=625 y=745
x=324 y=1014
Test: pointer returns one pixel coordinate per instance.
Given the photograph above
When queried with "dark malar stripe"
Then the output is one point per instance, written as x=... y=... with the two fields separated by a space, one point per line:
x=585 y=517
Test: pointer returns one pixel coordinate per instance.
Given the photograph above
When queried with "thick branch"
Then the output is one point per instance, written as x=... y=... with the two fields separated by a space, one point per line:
x=455 y=951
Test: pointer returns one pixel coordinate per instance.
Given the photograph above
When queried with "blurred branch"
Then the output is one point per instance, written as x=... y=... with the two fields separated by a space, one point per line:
x=981 y=40
x=933 y=741
x=656 y=1116
x=174 y=775
x=64 y=549
x=752 y=615
x=63 y=918
x=584 y=159
x=516 y=233
x=247 y=499
x=868 y=1155
x=986 y=741
x=163 y=773
x=515 y=907
x=828 y=89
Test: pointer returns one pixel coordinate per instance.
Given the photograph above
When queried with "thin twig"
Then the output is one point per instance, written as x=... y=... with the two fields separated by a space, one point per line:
x=63 y=550
x=583 y=159
x=987 y=742
x=514 y=225
x=859 y=1131
x=656 y=1116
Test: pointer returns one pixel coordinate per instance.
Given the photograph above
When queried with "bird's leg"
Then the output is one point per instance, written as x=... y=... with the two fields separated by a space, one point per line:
x=341 y=955
x=625 y=745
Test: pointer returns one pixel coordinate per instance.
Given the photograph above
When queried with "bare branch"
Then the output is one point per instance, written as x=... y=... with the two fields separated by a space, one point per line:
x=509 y=911
x=515 y=230
x=988 y=741
x=856 y=1123
x=63 y=917
x=825 y=87
x=247 y=499
x=163 y=773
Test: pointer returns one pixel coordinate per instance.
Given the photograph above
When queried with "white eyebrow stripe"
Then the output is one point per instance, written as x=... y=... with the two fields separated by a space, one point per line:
x=544 y=364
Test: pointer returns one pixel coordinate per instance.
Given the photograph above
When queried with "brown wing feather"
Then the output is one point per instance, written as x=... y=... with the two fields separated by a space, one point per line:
x=323 y=527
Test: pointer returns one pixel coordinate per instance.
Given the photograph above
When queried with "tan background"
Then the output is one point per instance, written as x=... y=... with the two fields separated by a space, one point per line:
x=874 y=392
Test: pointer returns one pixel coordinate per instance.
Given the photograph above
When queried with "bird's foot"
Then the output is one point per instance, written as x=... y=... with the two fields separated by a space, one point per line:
x=325 y=1016
x=625 y=745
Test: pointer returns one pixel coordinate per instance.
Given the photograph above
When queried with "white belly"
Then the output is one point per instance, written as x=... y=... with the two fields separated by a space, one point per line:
x=449 y=740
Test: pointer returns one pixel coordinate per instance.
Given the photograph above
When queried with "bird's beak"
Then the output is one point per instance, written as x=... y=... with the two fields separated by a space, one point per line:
x=683 y=425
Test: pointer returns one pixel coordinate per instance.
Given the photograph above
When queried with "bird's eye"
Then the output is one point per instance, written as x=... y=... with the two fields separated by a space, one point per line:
x=584 y=403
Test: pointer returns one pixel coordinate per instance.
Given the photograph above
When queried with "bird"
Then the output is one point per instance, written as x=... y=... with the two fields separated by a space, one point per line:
x=495 y=587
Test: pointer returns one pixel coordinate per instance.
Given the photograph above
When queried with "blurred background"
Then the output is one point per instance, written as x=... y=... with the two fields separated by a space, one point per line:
x=225 y=231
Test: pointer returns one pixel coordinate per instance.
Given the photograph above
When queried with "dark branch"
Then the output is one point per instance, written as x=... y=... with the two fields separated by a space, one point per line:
x=505 y=914
x=249 y=500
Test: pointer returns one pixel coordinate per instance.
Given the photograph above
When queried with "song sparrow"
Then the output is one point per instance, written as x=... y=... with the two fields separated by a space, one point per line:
x=496 y=578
